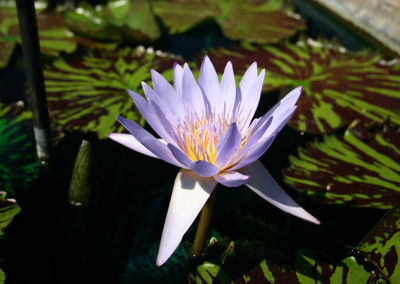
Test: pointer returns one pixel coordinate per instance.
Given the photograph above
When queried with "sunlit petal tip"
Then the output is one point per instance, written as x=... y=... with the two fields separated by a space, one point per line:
x=262 y=183
x=189 y=195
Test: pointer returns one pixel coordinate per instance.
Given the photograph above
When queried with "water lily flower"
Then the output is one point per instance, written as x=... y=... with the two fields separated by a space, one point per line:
x=206 y=128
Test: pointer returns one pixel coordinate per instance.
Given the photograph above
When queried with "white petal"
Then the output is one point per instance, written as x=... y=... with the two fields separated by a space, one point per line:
x=262 y=183
x=189 y=195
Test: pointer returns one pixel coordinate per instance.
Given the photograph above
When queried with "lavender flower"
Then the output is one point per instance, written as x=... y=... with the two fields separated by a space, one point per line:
x=206 y=128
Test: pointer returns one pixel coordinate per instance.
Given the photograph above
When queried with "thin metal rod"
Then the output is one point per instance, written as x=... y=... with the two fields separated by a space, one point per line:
x=34 y=73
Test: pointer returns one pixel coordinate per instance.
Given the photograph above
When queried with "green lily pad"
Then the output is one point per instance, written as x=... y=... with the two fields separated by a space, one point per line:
x=254 y=21
x=262 y=266
x=382 y=245
x=54 y=35
x=86 y=92
x=8 y=209
x=338 y=86
x=120 y=20
x=2 y=277
x=18 y=160
x=359 y=169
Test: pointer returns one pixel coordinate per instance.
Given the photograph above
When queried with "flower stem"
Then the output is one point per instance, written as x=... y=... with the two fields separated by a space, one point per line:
x=201 y=236
x=204 y=227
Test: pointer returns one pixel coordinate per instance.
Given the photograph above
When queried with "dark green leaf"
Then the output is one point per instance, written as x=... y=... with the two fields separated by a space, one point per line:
x=2 y=276
x=338 y=86
x=382 y=245
x=85 y=93
x=8 y=209
x=117 y=21
x=18 y=160
x=264 y=265
x=358 y=169
x=253 y=21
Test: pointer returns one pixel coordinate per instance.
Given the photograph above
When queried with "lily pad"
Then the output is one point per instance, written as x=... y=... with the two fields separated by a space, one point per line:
x=338 y=86
x=382 y=245
x=18 y=160
x=304 y=266
x=8 y=209
x=254 y=21
x=120 y=20
x=54 y=35
x=359 y=169
x=86 y=92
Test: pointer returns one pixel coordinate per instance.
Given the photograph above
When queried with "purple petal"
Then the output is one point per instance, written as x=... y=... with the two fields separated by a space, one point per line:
x=178 y=76
x=167 y=92
x=248 y=80
x=255 y=138
x=131 y=142
x=149 y=141
x=168 y=128
x=255 y=153
x=252 y=99
x=262 y=183
x=180 y=156
x=284 y=105
x=204 y=169
x=189 y=195
x=208 y=80
x=227 y=146
x=153 y=98
x=278 y=122
x=150 y=115
x=192 y=95
x=231 y=178
x=227 y=90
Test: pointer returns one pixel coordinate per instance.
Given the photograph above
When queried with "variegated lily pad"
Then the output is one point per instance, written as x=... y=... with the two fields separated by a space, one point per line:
x=85 y=93
x=54 y=35
x=117 y=21
x=338 y=86
x=357 y=169
x=303 y=267
x=18 y=160
x=382 y=245
x=8 y=209
x=254 y=21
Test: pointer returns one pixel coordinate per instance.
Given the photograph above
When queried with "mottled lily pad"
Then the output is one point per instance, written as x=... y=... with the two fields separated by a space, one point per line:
x=338 y=86
x=304 y=266
x=359 y=169
x=18 y=160
x=54 y=35
x=254 y=21
x=116 y=21
x=86 y=92
x=382 y=245
x=8 y=209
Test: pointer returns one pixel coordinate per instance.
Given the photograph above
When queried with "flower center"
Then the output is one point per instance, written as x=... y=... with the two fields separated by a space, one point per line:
x=199 y=135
